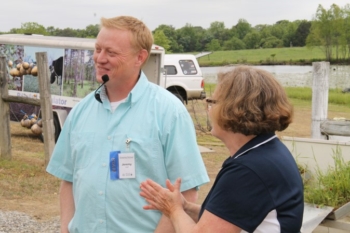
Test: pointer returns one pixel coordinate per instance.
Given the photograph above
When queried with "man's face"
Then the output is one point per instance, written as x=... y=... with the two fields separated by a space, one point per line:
x=114 y=55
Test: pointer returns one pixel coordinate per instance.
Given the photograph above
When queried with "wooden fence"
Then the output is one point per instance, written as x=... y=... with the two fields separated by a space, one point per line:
x=44 y=102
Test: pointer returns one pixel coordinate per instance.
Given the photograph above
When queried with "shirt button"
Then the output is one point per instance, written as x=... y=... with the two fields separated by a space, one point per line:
x=101 y=221
x=101 y=193
x=109 y=137
x=104 y=164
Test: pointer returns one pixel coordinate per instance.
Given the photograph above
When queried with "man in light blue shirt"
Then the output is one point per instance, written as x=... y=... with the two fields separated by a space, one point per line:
x=138 y=131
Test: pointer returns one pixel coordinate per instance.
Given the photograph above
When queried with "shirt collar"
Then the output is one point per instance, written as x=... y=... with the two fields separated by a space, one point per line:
x=134 y=95
x=254 y=143
x=137 y=92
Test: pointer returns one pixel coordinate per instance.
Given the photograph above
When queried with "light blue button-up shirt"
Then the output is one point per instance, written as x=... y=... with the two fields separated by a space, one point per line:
x=161 y=135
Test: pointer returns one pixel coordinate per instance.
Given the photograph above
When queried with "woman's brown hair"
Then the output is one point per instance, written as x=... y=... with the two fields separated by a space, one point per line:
x=251 y=101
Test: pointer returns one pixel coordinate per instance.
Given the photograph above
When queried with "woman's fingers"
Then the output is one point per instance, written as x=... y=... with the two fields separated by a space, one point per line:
x=175 y=186
x=159 y=198
x=169 y=185
x=150 y=190
x=147 y=188
x=150 y=206
x=151 y=187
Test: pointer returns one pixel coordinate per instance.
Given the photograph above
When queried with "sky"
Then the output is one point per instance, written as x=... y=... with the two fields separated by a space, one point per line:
x=78 y=14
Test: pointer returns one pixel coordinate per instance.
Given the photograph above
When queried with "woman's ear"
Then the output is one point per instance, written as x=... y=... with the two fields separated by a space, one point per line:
x=142 y=57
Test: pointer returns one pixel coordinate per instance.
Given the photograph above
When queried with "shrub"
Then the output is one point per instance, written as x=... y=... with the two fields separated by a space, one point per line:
x=330 y=188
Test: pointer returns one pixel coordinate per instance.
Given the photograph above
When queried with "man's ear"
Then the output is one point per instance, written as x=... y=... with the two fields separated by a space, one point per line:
x=142 y=57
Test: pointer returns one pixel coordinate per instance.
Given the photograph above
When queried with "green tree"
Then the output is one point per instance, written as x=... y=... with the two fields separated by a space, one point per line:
x=278 y=29
x=51 y=30
x=218 y=31
x=285 y=31
x=301 y=33
x=189 y=38
x=266 y=31
x=91 y=31
x=346 y=32
x=337 y=21
x=30 y=28
x=242 y=28
x=168 y=30
x=271 y=42
x=200 y=37
x=206 y=38
x=326 y=30
x=66 y=32
x=252 y=40
x=171 y=34
x=161 y=40
x=234 y=44
x=214 y=45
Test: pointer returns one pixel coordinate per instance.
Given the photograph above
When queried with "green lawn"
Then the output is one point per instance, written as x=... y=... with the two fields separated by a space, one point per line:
x=303 y=95
x=293 y=55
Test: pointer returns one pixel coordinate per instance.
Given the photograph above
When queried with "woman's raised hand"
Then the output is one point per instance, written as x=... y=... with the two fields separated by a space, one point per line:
x=167 y=200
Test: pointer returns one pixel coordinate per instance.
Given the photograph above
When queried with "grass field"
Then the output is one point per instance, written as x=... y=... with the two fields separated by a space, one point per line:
x=293 y=55
x=335 y=96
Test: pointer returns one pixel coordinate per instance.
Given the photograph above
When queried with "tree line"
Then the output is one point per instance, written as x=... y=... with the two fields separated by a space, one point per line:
x=329 y=30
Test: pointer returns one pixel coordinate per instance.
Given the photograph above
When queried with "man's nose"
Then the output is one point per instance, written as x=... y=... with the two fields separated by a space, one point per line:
x=101 y=57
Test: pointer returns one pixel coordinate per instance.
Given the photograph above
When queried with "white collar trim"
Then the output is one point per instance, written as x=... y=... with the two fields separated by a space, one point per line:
x=257 y=145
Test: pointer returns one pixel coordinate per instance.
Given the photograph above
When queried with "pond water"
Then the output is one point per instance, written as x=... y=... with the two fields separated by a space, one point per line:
x=292 y=76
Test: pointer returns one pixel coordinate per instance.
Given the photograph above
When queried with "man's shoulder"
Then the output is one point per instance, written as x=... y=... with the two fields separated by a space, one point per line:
x=164 y=96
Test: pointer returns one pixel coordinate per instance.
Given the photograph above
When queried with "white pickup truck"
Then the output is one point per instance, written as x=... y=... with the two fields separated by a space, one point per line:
x=183 y=76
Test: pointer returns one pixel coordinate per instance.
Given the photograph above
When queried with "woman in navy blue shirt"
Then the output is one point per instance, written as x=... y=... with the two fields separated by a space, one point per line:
x=259 y=188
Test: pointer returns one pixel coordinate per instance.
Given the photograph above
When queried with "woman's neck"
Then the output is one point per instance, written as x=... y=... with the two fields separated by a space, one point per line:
x=235 y=141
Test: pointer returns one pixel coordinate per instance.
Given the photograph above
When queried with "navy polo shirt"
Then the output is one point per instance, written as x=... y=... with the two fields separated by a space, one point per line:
x=259 y=188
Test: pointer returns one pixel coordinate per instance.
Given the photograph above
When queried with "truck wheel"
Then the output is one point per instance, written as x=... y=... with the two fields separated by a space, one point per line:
x=179 y=97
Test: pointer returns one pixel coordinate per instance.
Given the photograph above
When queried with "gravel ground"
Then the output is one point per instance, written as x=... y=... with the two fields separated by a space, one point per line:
x=17 y=222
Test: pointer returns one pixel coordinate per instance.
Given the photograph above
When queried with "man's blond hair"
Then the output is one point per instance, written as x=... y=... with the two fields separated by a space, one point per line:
x=141 y=36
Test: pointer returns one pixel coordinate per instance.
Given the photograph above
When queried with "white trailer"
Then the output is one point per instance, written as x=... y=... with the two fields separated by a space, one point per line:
x=72 y=69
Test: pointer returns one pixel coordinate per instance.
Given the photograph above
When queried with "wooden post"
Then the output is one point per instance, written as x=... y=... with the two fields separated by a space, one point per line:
x=46 y=104
x=320 y=88
x=5 y=133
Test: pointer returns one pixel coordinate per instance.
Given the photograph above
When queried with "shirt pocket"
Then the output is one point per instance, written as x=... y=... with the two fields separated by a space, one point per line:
x=82 y=148
x=149 y=157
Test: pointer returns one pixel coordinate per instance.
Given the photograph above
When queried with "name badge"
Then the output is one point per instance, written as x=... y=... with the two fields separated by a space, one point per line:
x=126 y=165
x=113 y=165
